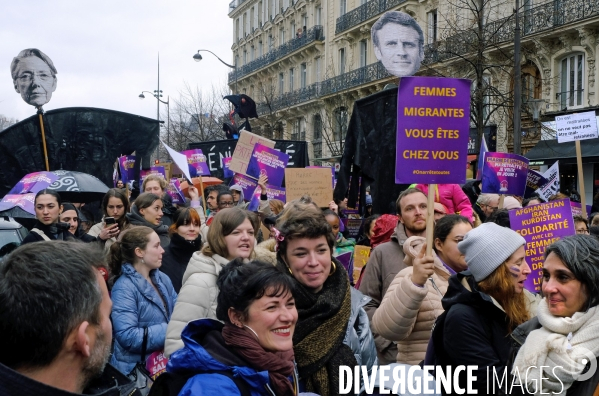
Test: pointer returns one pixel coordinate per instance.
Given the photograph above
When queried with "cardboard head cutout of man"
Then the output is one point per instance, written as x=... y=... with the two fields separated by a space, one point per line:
x=398 y=43
x=34 y=76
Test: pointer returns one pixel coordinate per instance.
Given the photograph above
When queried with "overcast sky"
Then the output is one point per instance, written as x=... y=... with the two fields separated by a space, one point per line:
x=106 y=51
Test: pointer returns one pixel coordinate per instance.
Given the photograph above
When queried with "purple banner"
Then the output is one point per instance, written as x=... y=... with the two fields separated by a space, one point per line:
x=34 y=182
x=174 y=190
x=353 y=227
x=577 y=209
x=126 y=164
x=226 y=170
x=272 y=192
x=541 y=225
x=433 y=127
x=154 y=170
x=197 y=163
x=269 y=162
x=25 y=201
x=247 y=185
x=534 y=181
x=254 y=204
x=504 y=173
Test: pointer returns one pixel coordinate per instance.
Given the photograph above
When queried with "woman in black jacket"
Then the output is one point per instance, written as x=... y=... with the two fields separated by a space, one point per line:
x=147 y=211
x=185 y=240
x=48 y=207
x=483 y=306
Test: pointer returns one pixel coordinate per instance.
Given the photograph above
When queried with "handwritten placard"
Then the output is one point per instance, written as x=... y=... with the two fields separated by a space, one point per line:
x=579 y=126
x=244 y=149
x=314 y=182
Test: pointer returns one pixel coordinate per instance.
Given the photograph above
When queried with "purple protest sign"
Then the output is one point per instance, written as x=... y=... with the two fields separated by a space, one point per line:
x=34 y=182
x=534 y=181
x=272 y=192
x=433 y=126
x=227 y=171
x=247 y=185
x=174 y=190
x=577 y=209
x=25 y=201
x=504 y=173
x=268 y=161
x=126 y=164
x=197 y=163
x=541 y=225
x=154 y=170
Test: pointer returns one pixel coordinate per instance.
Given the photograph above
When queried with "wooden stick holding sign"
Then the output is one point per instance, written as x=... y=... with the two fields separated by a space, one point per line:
x=577 y=127
x=202 y=195
x=583 y=199
x=40 y=112
x=430 y=219
x=501 y=200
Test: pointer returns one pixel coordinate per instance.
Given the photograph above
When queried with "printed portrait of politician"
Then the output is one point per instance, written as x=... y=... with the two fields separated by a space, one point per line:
x=34 y=76
x=398 y=43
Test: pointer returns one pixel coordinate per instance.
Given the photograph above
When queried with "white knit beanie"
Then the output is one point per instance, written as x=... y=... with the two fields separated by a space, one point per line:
x=488 y=246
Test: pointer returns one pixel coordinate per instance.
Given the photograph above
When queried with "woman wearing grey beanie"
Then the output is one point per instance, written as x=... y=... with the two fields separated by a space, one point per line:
x=483 y=306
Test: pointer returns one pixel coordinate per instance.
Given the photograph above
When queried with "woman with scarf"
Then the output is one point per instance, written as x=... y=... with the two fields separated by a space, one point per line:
x=562 y=341
x=250 y=351
x=333 y=328
x=482 y=307
x=413 y=300
x=185 y=241
x=48 y=206
x=71 y=215
x=147 y=211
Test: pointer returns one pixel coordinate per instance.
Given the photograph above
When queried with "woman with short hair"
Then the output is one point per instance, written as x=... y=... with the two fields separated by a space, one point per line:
x=252 y=352
x=562 y=341
x=231 y=235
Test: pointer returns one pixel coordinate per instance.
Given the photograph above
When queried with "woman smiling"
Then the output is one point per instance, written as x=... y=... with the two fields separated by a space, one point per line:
x=147 y=211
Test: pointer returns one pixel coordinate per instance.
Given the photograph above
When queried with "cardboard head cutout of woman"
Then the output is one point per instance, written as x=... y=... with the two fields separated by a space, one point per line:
x=34 y=76
x=398 y=43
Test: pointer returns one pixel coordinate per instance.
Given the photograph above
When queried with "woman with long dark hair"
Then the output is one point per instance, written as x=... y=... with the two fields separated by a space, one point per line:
x=143 y=298
x=115 y=204
x=48 y=206
x=147 y=211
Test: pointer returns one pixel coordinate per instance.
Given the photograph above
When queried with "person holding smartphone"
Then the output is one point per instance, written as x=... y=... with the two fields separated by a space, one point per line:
x=114 y=206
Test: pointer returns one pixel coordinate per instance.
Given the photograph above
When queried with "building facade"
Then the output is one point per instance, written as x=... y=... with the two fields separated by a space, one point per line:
x=306 y=61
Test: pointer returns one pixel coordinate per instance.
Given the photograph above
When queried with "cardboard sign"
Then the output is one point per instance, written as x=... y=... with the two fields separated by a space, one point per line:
x=433 y=128
x=579 y=126
x=361 y=255
x=314 y=182
x=244 y=149
x=504 y=173
x=197 y=163
x=269 y=162
x=34 y=182
x=541 y=225
x=534 y=181
x=552 y=186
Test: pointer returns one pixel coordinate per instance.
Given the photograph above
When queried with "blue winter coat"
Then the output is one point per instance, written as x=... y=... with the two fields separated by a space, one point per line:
x=135 y=306
x=195 y=358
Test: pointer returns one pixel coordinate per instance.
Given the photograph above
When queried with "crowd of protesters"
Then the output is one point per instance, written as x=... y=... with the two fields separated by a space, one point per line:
x=262 y=303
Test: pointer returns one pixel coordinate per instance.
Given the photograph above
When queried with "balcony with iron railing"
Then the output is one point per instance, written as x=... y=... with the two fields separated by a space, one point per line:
x=363 y=13
x=315 y=33
x=234 y=4
x=541 y=18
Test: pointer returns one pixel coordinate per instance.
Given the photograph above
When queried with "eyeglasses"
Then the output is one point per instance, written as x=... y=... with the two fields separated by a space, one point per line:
x=28 y=77
x=226 y=204
x=582 y=231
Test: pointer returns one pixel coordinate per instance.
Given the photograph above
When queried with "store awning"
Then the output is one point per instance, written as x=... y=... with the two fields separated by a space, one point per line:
x=546 y=152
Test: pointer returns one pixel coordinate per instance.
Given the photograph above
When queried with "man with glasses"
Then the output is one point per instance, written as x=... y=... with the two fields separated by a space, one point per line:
x=488 y=203
x=581 y=225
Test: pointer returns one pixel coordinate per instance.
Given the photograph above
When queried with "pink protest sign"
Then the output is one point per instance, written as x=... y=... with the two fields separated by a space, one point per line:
x=156 y=364
x=433 y=127
x=541 y=225
x=154 y=170
x=34 y=182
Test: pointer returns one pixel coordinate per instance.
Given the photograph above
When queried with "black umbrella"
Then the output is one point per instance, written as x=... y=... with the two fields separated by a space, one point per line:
x=78 y=187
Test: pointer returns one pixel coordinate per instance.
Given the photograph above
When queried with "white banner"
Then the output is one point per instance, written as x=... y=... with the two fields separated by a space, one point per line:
x=552 y=187
x=579 y=126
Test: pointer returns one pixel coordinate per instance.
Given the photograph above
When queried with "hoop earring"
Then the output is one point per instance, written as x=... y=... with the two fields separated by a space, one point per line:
x=334 y=268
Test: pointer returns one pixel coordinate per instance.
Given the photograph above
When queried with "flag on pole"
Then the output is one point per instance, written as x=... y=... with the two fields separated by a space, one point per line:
x=481 y=157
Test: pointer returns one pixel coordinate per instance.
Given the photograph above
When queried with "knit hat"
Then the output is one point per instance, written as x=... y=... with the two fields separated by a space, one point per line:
x=488 y=246
x=511 y=203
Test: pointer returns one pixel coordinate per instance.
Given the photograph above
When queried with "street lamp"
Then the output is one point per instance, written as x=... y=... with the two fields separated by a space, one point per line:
x=158 y=94
x=198 y=57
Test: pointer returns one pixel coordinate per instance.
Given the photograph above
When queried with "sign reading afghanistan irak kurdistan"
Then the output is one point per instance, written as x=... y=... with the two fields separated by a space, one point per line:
x=433 y=126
